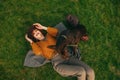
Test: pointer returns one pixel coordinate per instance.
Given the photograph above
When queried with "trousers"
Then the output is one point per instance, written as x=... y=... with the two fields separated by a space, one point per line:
x=72 y=67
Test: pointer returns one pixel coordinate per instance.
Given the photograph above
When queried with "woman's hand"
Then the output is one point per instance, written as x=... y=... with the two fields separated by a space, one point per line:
x=28 y=39
x=39 y=26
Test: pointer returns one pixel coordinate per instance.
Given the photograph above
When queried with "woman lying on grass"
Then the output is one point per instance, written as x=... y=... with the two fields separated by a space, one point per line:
x=42 y=40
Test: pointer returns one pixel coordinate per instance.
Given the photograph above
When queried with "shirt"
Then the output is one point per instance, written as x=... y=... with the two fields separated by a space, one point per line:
x=41 y=47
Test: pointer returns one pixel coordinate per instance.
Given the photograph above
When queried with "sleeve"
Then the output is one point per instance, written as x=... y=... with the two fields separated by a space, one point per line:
x=52 y=31
x=36 y=49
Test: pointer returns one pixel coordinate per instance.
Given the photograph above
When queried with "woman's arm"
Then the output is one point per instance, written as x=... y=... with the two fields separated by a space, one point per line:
x=36 y=49
x=50 y=30
x=39 y=26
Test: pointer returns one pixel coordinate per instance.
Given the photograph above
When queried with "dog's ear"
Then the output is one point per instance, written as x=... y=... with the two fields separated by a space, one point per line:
x=72 y=20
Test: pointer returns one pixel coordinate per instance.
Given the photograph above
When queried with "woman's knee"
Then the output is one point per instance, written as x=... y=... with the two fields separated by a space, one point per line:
x=90 y=73
x=81 y=71
x=82 y=74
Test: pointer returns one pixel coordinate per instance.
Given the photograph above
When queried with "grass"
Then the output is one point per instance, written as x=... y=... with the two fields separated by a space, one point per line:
x=101 y=52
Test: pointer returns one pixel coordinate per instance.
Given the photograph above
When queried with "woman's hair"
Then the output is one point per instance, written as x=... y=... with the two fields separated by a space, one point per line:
x=30 y=33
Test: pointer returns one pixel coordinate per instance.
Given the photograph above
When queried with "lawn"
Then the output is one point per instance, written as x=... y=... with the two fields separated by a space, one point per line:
x=101 y=52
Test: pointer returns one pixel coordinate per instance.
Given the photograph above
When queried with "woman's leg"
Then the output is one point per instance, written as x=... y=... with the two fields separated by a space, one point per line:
x=64 y=68
x=89 y=71
x=71 y=70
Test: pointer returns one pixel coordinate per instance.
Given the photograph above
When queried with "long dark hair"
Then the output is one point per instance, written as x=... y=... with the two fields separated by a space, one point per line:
x=30 y=33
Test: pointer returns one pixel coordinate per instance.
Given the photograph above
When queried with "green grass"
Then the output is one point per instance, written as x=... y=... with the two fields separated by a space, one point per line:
x=101 y=52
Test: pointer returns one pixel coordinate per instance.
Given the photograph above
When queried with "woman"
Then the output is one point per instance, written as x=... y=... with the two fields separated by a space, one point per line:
x=42 y=43
x=40 y=40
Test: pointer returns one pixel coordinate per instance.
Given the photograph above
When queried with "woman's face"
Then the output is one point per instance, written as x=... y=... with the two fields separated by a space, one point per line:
x=38 y=35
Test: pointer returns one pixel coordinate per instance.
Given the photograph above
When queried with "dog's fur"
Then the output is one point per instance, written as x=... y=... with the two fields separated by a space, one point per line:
x=70 y=37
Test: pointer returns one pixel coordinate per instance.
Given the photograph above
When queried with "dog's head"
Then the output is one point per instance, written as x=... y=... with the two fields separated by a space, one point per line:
x=81 y=32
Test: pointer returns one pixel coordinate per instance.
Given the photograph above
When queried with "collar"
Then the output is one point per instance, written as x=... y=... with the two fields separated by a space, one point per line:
x=64 y=36
x=72 y=45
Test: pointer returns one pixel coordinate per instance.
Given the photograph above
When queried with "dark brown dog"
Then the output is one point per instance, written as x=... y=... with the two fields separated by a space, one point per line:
x=68 y=39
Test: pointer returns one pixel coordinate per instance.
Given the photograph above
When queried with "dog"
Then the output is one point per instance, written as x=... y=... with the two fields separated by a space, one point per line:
x=68 y=40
